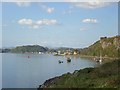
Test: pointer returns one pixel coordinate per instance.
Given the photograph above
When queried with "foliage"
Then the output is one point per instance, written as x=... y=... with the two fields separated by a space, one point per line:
x=105 y=47
x=105 y=76
x=5 y=50
x=29 y=48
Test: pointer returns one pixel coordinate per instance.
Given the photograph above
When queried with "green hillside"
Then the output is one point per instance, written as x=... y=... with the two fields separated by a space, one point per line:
x=106 y=47
x=105 y=76
x=29 y=48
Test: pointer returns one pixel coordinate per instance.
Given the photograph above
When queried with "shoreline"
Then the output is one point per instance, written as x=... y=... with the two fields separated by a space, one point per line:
x=55 y=81
x=105 y=59
x=90 y=57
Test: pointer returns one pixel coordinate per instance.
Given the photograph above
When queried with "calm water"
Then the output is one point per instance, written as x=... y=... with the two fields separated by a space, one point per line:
x=19 y=71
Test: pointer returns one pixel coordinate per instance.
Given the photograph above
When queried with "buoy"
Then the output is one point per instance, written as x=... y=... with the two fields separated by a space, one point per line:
x=28 y=56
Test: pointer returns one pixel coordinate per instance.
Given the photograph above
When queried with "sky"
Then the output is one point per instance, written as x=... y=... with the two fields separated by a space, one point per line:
x=58 y=24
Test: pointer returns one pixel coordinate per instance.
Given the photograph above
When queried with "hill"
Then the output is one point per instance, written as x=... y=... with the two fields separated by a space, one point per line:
x=28 y=49
x=105 y=76
x=5 y=50
x=106 y=47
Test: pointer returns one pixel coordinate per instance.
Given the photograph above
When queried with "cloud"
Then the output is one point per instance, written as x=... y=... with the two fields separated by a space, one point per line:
x=83 y=29
x=23 y=4
x=37 y=24
x=88 y=20
x=47 y=22
x=91 y=4
x=48 y=9
x=25 y=22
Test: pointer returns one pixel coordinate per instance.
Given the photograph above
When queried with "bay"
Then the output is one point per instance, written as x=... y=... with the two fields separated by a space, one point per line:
x=31 y=70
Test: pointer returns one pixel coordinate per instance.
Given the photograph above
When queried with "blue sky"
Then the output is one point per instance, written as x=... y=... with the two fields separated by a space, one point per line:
x=57 y=24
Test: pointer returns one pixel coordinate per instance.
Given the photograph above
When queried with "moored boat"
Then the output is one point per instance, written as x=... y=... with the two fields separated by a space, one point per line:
x=60 y=61
x=68 y=60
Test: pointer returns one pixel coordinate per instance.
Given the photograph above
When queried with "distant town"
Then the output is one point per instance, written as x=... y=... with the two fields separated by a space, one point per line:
x=42 y=50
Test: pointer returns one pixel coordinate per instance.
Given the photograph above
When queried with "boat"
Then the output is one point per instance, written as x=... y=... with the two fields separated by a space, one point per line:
x=28 y=56
x=97 y=60
x=68 y=60
x=60 y=61
x=100 y=59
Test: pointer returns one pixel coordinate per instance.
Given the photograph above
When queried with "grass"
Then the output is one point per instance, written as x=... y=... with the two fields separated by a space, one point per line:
x=105 y=76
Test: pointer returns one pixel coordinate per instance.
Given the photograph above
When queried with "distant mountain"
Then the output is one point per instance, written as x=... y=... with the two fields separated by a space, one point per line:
x=29 y=48
x=106 y=47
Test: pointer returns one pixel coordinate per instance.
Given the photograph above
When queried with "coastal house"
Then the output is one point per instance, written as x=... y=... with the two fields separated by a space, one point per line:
x=102 y=38
x=59 y=52
x=40 y=52
x=75 y=53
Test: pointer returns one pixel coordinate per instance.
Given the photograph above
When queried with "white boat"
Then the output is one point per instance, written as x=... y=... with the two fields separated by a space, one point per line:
x=100 y=57
x=100 y=60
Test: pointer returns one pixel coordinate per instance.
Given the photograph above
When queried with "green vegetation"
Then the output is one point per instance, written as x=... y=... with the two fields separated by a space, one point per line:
x=5 y=50
x=107 y=47
x=105 y=76
x=28 y=49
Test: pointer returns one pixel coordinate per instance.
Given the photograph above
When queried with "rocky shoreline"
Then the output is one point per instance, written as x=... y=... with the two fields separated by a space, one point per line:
x=50 y=81
x=87 y=75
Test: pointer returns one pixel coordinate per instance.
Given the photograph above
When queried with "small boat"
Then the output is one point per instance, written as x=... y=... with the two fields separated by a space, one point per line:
x=97 y=60
x=28 y=56
x=60 y=61
x=68 y=60
x=100 y=58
